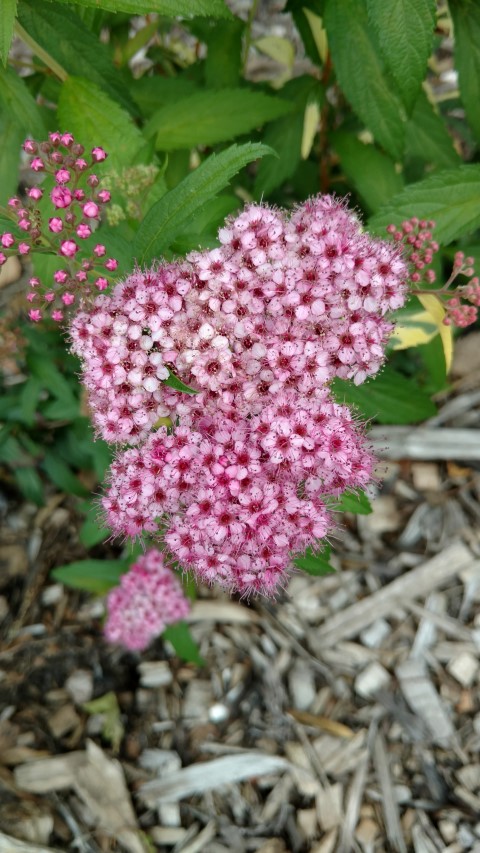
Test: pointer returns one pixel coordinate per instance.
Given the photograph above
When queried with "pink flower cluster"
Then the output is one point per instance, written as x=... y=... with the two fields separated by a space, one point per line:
x=77 y=202
x=235 y=498
x=282 y=304
x=148 y=599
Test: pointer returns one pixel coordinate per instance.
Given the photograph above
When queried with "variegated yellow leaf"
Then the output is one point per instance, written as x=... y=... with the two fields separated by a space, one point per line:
x=310 y=126
x=414 y=330
x=437 y=313
x=318 y=32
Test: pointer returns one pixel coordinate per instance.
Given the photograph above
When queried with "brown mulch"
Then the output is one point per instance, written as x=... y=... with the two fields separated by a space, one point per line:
x=344 y=717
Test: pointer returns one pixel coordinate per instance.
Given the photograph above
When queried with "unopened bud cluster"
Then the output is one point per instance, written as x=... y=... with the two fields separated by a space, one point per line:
x=461 y=308
x=71 y=188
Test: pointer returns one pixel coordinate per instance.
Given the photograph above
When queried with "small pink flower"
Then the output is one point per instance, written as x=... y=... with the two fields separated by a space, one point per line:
x=55 y=224
x=104 y=196
x=30 y=147
x=37 y=164
x=68 y=249
x=91 y=210
x=61 y=197
x=98 y=154
x=68 y=298
x=35 y=315
x=35 y=192
x=55 y=137
x=67 y=139
x=31 y=296
x=57 y=315
x=24 y=224
x=60 y=276
x=7 y=240
x=81 y=276
x=111 y=264
x=34 y=282
x=79 y=195
x=99 y=250
x=101 y=283
x=62 y=176
x=81 y=164
x=14 y=202
x=84 y=231
x=49 y=297
x=23 y=248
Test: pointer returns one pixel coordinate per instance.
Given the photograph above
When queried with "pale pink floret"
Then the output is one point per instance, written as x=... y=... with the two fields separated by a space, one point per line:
x=148 y=599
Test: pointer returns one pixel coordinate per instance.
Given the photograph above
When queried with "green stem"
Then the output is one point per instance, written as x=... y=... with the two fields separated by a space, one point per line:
x=248 y=32
x=42 y=54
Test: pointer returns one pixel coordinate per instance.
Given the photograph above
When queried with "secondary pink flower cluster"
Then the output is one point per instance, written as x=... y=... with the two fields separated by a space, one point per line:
x=77 y=202
x=282 y=304
x=235 y=498
x=416 y=236
x=148 y=599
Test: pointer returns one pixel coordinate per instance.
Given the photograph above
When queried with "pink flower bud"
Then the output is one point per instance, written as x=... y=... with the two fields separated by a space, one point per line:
x=60 y=276
x=56 y=157
x=7 y=240
x=14 y=202
x=55 y=224
x=86 y=265
x=30 y=146
x=34 y=282
x=101 y=283
x=84 y=231
x=57 y=316
x=61 y=197
x=37 y=164
x=50 y=296
x=81 y=276
x=35 y=315
x=35 y=192
x=98 y=154
x=62 y=176
x=31 y=296
x=111 y=264
x=67 y=139
x=91 y=210
x=55 y=137
x=68 y=298
x=81 y=164
x=68 y=249
x=104 y=196
x=92 y=181
x=99 y=250
x=3 y=258
x=79 y=195
x=23 y=248
x=24 y=224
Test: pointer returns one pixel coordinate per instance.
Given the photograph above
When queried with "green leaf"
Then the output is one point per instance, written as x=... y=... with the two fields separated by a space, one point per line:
x=405 y=30
x=451 y=198
x=208 y=117
x=151 y=93
x=372 y=173
x=224 y=54
x=315 y=563
x=166 y=219
x=427 y=137
x=94 y=118
x=390 y=398
x=285 y=136
x=11 y=138
x=112 y=726
x=44 y=369
x=356 y=502
x=96 y=576
x=29 y=397
x=92 y=533
x=361 y=73
x=62 y=475
x=30 y=484
x=466 y=23
x=64 y=36
x=7 y=21
x=182 y=641
x=201 y=232
x=169 y=8
x=19 y=103
x=176 y=383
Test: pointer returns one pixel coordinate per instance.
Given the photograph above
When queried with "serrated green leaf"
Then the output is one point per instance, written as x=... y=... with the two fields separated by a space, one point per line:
x=30 y=484
x=466 y=24
x=371 y=172
x=64 y=36
x=201 y=232
x=92 y=116
x=151 y=93
x=223 y=64
x=62 y=475
x=405 y=30
x=11 y=138
x=96 y=576
x=315 y=563
x=180 y=637
x=427 y=137
x=362 y=75
x=19 y=104
x=356 y=502
x=167 y=218
x=389 y=398
x=451 y=198
x=7 y=21
x=176 y=383
x=208 y=117
x=169 y=8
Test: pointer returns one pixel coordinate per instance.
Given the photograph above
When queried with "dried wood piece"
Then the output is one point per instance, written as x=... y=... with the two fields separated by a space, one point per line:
x=333 y=727
x=302 y=685
x=14 y=845
x=198 y=778
x=373 y=678
x=414 y=584
x=50 y=774
x=425 y=443
x=155 y=673
x=424 y=700
x=352 y=810
x=389 y=801
x=329 y=806
x=223 y=612
x=464 y=668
